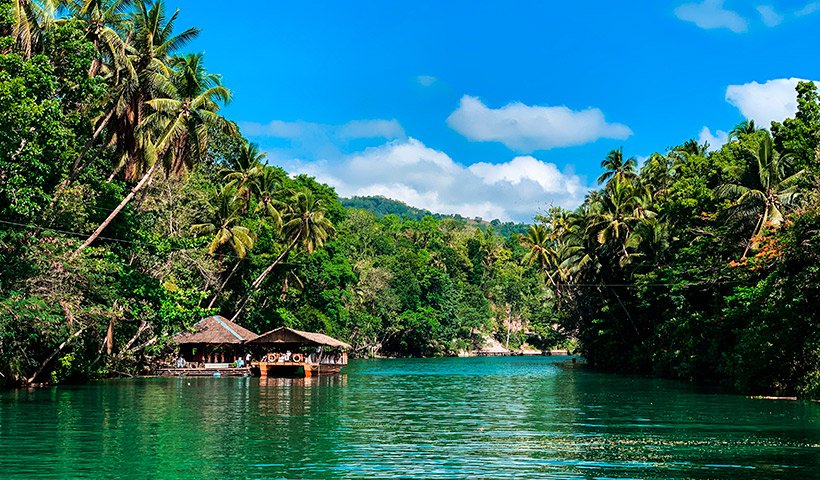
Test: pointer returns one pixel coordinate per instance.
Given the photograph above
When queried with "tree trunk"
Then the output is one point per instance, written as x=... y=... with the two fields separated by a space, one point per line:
x=78 y=166
x=65 y=343
x=222 y=287
x=109 y=338
x=258 y=282
x=119 y=208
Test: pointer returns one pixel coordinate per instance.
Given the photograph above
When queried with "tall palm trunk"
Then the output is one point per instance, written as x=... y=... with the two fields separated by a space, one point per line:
x=224 y=283
x=261 y=278
x=78 y=165
x=119 y=208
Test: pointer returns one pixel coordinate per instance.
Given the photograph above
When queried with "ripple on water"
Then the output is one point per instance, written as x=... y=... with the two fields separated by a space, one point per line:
x=438 y=418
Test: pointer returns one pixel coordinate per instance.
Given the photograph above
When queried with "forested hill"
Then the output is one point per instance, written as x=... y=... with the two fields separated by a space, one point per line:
x=383 y=206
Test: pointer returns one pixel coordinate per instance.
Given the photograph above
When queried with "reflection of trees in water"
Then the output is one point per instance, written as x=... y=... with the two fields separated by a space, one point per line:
x=297 y=421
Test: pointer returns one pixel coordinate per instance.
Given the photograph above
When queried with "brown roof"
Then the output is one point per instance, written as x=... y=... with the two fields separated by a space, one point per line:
x=289 y=335
x=215 y=329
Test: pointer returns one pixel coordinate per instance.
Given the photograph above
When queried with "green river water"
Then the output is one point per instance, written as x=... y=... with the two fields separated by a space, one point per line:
x=422 y=418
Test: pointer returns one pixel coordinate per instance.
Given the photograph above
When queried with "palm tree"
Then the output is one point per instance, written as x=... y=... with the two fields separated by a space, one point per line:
x=266 y=184
x=615 y=166
x=137 y=77
x=30 y=21
x=659 y=173
x=773 y=192
x=541 y=250
x=151 y=44
x=187 y=111
x=242 y=172
x=746 y=127
x=305 y=225
x=104 y=21
x=225 y=228
x=615 y=215
x=691 y=147
x=176 y=134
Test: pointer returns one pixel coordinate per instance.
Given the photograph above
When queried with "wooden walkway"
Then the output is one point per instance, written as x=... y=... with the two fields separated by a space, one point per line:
x=204 y=372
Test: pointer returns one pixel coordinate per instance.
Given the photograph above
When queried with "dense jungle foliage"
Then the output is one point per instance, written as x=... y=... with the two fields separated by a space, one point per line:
x=130 y=208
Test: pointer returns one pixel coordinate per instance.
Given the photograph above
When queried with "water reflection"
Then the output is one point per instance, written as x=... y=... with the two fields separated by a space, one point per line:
x=438 y=418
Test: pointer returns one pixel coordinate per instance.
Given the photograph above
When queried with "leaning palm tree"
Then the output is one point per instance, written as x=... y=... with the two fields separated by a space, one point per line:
x=151 y=45
x=223 y=225
x=176 y=134
x=137 y=77
x=305 y=225
x=615 y=166
x=772 y=194
x=187 y=111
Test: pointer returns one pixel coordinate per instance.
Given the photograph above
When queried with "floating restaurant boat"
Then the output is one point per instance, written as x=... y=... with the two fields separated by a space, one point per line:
x=219 y=347
x=215 y=347
x=292 y=352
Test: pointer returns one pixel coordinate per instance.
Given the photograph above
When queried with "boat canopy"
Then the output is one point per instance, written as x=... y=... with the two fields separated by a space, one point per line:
x=288 y=336
x=215 y=330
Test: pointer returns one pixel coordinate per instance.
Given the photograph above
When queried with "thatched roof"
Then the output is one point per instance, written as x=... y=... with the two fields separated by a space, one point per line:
x=285 y=335
x=215 y=330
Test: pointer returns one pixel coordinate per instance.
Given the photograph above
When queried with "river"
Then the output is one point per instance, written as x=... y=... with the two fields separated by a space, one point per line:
x=417 y=418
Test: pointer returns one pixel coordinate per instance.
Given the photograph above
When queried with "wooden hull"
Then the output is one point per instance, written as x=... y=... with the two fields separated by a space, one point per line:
x=296 y=369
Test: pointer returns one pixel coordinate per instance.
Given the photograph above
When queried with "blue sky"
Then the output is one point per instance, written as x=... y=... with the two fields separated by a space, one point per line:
x=496 y=109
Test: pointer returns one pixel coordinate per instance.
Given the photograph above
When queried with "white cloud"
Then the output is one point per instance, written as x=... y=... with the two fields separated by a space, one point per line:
x=774 y=100
x=711 y=14
x=409 y=171
x=426 y=80
x=527 y=168
x=378 y=128
x=769 y=16
x=715 y=140
x=525 y=128
x=808 y=9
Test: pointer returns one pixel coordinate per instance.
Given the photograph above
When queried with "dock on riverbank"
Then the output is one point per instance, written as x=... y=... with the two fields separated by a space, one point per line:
x=217 y=371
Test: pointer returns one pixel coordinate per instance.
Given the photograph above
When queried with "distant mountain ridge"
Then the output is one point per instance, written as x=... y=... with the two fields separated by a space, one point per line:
x=383 y=206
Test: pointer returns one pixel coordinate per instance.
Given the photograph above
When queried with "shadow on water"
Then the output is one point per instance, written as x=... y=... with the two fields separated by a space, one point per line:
x=411 y=418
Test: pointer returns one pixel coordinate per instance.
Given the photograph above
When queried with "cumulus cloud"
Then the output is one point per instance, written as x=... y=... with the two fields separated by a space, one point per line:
x=712 y=14
x=774 y=100
x=715 y=140
x=409 y=171
x=769 y=15
x=525 y=128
